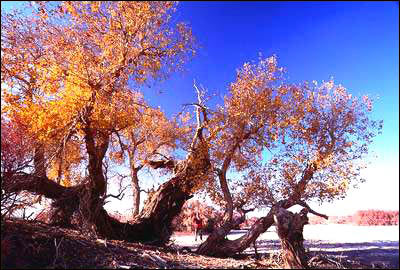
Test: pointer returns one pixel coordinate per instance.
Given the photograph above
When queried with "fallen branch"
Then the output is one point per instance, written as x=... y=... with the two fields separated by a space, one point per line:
x=155 y=258
x=57 y=246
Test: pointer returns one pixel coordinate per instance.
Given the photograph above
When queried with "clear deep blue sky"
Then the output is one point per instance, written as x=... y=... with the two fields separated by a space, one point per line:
x=355 y=42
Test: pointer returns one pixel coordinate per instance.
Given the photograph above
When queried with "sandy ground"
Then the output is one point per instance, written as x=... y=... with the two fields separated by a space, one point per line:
x=378 y=245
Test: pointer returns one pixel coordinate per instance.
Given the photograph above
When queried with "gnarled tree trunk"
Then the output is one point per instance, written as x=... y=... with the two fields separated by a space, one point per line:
x=290 y=230
x=153 y=225
x=214 y=246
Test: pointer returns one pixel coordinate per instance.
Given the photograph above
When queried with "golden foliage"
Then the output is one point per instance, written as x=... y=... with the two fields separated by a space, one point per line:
x=300 y=124
x=65 y=71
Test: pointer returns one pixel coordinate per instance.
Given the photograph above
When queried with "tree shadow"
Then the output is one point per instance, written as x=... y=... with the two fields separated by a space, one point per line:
x=378 y=254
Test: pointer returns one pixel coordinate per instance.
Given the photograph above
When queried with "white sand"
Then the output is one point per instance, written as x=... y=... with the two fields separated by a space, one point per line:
x=332 y=233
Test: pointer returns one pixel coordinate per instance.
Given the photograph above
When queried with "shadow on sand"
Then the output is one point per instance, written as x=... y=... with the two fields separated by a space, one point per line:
x=378 y=254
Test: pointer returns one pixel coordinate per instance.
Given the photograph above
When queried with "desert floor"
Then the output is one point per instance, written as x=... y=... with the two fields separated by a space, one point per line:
x=374 y=245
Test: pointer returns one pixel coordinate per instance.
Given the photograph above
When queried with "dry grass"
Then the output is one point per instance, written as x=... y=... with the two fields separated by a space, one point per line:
x=35 y=245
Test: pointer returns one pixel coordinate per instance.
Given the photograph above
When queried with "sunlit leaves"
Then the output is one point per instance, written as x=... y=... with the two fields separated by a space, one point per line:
x=67 y=65
x=300 y=124
x=333 y=134
x=250 y=116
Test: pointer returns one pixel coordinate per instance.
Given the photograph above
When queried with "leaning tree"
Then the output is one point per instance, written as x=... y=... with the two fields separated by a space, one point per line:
x=283 y=145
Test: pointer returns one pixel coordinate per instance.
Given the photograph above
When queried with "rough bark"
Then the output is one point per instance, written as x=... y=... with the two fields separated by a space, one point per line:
x=39 y=160
x=290 y=230
x=96 y=147
x=65 y=199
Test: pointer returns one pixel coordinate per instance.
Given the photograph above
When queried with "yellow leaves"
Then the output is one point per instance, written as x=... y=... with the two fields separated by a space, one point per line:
x=10 y=98
x=63 y=168
x=316 y=122
x=184 y=118
x=53 y=171
x=367 y=100
x=140 y=79
x=117 y=157
x=113 y=13
x=66 y=181
x=95 y=5
x=70 y=8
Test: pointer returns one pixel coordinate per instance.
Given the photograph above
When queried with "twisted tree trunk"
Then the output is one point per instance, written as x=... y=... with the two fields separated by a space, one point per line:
x=152 y=225
x=217 y=245
x=290 y=230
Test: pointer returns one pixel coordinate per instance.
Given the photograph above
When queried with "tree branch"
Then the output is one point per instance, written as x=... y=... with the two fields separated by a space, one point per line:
x=118 y=196
x=164 y=156
x=35 y=184
x=304 y=204
x=245 y=211
x=157 y=164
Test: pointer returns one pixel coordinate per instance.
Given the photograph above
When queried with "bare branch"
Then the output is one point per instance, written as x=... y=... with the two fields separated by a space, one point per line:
x=157 y=164
x=245 y=211
x=121 y=189
x=194 y=104
x=121 y=144
x=304 y=204
x=164 y=156
x=148 y=191
x=118 y=196
x=200 y=125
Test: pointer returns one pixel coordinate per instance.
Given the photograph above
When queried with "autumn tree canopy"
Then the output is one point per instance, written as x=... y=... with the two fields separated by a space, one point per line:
x=153 y=137
x=284 y=144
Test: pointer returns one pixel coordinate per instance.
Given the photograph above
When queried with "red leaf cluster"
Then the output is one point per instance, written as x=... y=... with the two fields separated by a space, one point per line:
x=15 y=146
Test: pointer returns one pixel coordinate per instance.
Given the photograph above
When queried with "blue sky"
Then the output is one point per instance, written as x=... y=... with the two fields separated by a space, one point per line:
x=355 y=42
